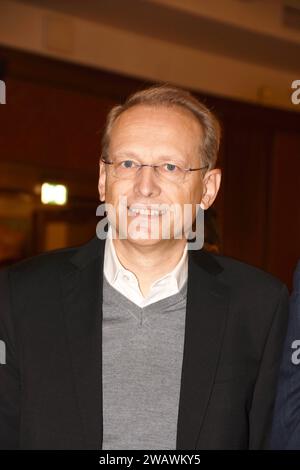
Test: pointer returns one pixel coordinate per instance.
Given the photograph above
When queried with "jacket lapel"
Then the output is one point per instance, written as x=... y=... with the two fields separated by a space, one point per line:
x=207 y=305
x=82 y=299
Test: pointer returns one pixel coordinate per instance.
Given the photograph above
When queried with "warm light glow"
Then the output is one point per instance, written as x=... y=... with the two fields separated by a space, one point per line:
x=54 y=194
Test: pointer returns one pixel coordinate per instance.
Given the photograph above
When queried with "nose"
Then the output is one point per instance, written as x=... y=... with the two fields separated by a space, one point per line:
x=146 y=182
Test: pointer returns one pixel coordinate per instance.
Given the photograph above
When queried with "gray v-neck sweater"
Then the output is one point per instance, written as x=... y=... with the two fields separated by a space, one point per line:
x=142 y=351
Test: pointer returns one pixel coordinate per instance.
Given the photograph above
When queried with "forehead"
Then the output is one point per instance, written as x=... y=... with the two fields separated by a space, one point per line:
x=156 y=126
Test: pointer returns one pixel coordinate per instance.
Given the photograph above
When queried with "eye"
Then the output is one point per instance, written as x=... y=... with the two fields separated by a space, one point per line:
x=170 y=167
x=127 y=164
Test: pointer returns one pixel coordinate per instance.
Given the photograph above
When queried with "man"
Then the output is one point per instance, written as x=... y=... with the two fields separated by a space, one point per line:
x=138 y=342
x=286 y=422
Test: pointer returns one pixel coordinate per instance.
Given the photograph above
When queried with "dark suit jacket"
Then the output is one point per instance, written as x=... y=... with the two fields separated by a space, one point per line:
x=51 y=385
x=286 y=425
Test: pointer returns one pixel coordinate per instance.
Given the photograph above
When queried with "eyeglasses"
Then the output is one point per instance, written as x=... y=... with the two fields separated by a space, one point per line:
x=128 y=169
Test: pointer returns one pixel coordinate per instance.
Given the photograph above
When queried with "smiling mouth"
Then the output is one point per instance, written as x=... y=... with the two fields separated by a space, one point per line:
x=154 y=212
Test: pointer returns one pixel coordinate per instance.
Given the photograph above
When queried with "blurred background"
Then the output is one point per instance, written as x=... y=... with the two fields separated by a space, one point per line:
x=65 y=63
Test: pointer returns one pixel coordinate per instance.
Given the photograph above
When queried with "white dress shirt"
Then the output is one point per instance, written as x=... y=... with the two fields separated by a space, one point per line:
x=126 y=282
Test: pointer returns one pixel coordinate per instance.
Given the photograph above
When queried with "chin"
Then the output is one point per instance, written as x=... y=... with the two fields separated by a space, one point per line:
x=150 y=241
x=143 y=241
x=143 y=237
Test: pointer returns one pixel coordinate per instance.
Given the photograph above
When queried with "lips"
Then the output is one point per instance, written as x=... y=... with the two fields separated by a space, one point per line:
x=155 y=211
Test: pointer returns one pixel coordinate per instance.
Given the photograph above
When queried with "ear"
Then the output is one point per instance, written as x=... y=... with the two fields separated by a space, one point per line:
x=211 y=186
x=102 y=180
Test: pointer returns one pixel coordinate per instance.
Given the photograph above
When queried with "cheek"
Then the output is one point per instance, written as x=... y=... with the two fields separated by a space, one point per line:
x=197 y=191
x=190 y=194
x=115 y=189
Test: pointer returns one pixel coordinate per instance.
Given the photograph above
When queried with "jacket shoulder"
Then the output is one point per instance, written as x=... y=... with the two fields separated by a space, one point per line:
x=51 y=260
x=241 y=275
x=44 y=270
x=40 y=270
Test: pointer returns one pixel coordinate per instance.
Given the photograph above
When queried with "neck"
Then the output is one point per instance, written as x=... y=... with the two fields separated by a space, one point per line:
x=149 y=263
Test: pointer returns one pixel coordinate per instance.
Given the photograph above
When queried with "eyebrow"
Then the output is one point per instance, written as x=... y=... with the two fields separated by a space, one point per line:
x=162 y=157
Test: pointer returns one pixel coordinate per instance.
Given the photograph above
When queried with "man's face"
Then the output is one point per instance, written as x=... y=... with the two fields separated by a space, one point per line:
x=153 y=135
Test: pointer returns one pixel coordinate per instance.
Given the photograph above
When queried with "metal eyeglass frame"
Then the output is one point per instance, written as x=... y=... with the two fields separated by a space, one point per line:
x=140 y=165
